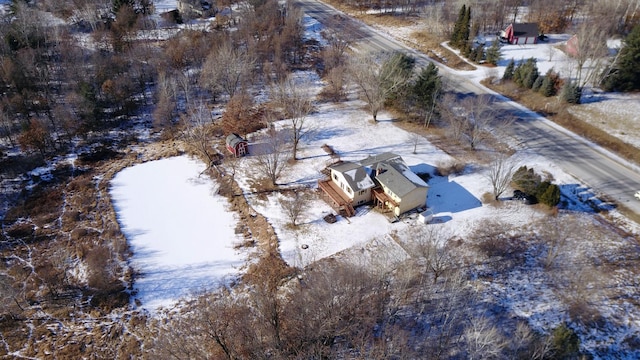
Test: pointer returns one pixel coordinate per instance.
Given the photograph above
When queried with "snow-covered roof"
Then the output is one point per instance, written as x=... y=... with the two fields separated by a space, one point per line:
x=397 y=177
x=355 y=175
x=234 y=139
x=372 y=161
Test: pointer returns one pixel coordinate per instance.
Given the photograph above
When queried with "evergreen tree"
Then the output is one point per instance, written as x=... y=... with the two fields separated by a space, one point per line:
x=625 y=75
x=479 y=54
x=571 y=92
x=531 y=73
x=550 y=196
x=548 y=87
x=427 y=90
x=508 y=71
x=462 y=29
x=493 y=53
x=457 y=34
x=537 y=84
x=466 y=27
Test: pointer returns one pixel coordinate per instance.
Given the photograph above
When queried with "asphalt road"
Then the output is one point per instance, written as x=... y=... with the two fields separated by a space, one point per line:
x=605 y=173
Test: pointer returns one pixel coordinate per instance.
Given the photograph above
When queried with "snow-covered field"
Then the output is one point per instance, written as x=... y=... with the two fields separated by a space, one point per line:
x=180 y=231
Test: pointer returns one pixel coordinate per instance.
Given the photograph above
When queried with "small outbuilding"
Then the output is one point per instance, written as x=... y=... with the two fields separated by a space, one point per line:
x=237 y=145
x=523 y=33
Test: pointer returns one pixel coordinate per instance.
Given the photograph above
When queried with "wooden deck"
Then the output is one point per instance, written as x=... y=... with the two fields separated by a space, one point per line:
x=383 y=201
x=336 y=198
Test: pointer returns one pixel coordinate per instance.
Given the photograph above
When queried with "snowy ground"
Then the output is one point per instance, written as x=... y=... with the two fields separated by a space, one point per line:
x=181 y=233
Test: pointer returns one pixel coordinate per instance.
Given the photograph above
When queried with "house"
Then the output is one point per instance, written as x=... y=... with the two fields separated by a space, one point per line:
x=523 y=33
x=384 y=179
x=237 y=145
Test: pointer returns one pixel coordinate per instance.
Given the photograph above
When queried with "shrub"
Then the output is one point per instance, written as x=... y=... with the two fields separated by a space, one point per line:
x=450 y=168
x=509 y=70
x=527 y=180
x=537 y=84
x=565 y=343
x=548 y=86
x=571 y=93
x=550 y=196
x=493 y=53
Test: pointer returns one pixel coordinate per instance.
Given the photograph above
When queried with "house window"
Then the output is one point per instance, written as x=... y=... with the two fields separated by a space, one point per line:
x=335 y=177
x=349 y=191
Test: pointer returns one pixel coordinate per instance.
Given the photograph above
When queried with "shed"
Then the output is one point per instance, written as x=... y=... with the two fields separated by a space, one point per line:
x=237 y=145
x=522 y=33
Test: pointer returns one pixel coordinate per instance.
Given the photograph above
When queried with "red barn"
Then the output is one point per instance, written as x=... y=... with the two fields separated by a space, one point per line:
x=525 y=33
x=237 y=145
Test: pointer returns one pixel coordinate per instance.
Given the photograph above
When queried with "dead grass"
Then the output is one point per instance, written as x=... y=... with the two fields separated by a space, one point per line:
x=430 y=45
x=559 y=113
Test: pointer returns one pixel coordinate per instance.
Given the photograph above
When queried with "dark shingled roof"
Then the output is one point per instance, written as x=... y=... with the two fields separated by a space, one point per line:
x=526 y=30
x=397 y=177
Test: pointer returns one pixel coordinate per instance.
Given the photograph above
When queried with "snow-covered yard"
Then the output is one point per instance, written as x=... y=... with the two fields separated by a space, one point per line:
x=180 y=231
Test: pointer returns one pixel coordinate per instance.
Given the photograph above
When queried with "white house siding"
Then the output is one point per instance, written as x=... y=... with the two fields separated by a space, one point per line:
x=358 y=197
x=414 y=199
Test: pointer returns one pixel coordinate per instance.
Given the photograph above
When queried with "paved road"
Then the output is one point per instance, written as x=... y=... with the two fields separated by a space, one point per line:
x=604 y=172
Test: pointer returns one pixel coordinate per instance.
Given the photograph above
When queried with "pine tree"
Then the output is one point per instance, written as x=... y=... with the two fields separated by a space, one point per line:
x=531 y=73
x=548 y=87
x=625 y=75
x=493 y=53
x=537 y=84
x=466 y=26
x=427 y=90
x=479 y=55
x=508 y=71
x=457 y=34
x=550 y=196
x=571 y=93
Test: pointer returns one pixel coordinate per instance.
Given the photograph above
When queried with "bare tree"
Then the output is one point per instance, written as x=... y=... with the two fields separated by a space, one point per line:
x=525 y=343
x=334 y=55
x=480 y=115
x=484 y=340
x=335 y=81
x=591 y=55
x=295 y=101
x=295 y=206
x=451 y=113
x=270 y=160
x=415 y=139
x=500 y=173
x=378 y=80
x=430 y=244
x=198 y=133
x=227 y=68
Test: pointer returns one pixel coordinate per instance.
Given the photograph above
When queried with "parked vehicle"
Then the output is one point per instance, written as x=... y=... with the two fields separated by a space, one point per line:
x=637 y=195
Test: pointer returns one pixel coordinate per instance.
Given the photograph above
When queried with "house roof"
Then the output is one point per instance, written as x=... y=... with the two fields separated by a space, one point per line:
x=397 y=177
x=234 y=139
x=372 y=161
x=525 y=29
x=354 y=174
